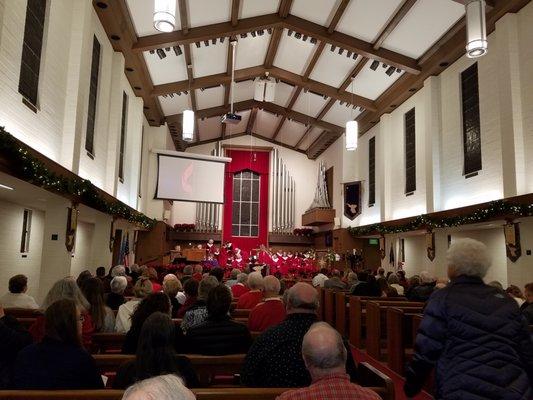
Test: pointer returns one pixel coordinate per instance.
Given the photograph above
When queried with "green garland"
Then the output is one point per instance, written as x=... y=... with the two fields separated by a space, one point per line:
x=495 y=209
x=34 y=171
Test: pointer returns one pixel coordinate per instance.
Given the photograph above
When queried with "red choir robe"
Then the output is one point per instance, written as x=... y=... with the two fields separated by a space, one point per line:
x=250 y=300
x=238 y=290
x=266 y=314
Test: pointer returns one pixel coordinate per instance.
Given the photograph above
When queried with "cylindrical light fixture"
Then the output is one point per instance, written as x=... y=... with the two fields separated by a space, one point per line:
x=188 y=125
x=165 y=15
x=352 y=133
x=476 y=29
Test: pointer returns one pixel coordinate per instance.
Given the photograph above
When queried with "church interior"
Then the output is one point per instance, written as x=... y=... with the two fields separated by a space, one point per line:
x=282 y=144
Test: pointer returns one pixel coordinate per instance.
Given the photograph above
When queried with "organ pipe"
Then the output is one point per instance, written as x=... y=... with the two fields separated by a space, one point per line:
x=283 y=201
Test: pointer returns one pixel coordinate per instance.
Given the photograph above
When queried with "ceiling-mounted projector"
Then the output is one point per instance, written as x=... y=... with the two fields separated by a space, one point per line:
x=231 y=118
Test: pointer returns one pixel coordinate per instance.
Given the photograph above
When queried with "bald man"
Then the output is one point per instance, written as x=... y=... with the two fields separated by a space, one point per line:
x=271 y=311
x=275 y=359
x=324 y=355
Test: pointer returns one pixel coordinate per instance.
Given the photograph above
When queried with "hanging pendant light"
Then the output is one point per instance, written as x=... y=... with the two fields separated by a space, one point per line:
x=165 y=15
x=476 y=29
x=188 y=125
x=352 y=129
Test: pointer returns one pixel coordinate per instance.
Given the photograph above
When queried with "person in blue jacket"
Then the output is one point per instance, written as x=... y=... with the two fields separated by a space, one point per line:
x=473 y=335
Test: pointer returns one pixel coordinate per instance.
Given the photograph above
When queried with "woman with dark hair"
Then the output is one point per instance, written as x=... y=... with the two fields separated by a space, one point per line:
x=219 y=335
x=190 y=287
x=156 y=355
x=103 y=317
x=83 y=276
x=58 y=361
x=367 y=285
x=153 y=303
x=386 y=289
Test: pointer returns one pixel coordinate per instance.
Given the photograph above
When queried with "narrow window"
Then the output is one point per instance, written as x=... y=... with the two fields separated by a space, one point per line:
x=372 y=171
x=245 y=213
x=26 y=229
x=31 y=52
x=139 y=190
x=123 y=136
x=471 y=121
x=93 y=93
x=410 y=152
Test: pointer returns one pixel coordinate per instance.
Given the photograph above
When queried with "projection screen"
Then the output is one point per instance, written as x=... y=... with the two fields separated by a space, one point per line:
x=190 y=177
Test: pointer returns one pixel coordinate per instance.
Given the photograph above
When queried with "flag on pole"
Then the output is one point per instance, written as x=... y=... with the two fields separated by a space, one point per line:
x=123 y=258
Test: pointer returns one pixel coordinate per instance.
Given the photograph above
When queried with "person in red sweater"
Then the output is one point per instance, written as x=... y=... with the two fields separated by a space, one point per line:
x=240 y=287
x=271 y=311
x=255 y=295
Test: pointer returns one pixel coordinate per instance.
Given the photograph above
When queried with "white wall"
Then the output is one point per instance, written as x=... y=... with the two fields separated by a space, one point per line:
x=81 y=258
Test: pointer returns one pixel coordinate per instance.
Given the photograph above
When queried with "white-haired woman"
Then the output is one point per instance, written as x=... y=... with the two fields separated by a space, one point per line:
x=65 y=288
x=473 y=335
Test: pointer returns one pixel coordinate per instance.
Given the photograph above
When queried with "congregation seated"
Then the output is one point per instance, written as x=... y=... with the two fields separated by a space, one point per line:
x=367 y=285
x=181 y=294
x=380 y=273
x=239 y=288
x=58 y=361
x=527 y=308
x=141 y=289
x=274 y=360
x=17 y=297
x=422 y=291
x=516 y=294
x=115 y=298
x=271 y=311
x=190 y=288
x=254 y=296
x=218 y=273
x=171 y=287
x=324 y=355
x=187 y=274
x=164 y=387
x=13 y=338
x=473 y=334
x=335 y=281
x=155 y=355
x=119 y=270
x=155 y=302
x=320 y=278
x=233 y=277
x=394 y=282
x=218 y=334
x=197 y=313
x=151 y=274
x=102 y=316
x=197 y=272
x=386 y=289
x=351 y=280
x=65 y=288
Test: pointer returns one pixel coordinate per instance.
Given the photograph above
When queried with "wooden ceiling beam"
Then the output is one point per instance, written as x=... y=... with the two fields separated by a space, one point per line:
x=338 y=15
x=184 y=19
x=251 y=120
x=299 y=142
x=215 y=111
x=391 y=25
x=235 y=12
x=273 y=47
x=284 y=8
x=449 y=50
x=314 y=60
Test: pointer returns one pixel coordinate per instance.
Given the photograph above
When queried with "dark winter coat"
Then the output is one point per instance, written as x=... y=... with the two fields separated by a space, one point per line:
x=477 y=341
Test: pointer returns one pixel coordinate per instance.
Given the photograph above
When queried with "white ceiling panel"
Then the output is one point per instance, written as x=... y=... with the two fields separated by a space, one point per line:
x=172 y=68
x=142 y=12
x=432 y=18
x=283 y=94
x=371 y=84
x=212 y=97
x=291 y=132
x=311 y=136
x=266 y=123
x=365 y=19
x=209 y=60
x=318 y=11
x=253 y=8
x=243 y=91
x=174 y=105
x=339 y=115
x=309 y=103
x=207 y=12
x=293 y=54
x=209 y=128
x=251 y=51
x=332 y=68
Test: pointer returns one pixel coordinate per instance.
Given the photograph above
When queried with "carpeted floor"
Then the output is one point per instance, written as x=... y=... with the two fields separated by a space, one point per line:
x=360 y=356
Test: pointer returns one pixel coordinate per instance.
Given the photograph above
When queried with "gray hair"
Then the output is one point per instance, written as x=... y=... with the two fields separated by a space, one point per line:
x=255 y=281
x=352 y=278
x=272 y=284
x=118 y=270
x=242 y=277
x=66 y=288
x=187 y=270
x=326 y=350
x=118 y=284
x=425 y=277
x=163 y=387
x=205 y=286
x=496 y=284
x=235 y=273
x=469 y=257
x=292 y=300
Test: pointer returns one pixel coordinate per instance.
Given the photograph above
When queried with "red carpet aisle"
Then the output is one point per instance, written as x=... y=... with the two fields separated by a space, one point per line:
x=397 y=379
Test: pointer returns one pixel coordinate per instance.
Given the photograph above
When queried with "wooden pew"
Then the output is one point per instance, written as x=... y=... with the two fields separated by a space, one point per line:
x=240 y=313
x=22 y=312
x=340 y=312
x=320 y=310
x=329 y=306
x=103 y=343
x=26 y=322
x=400 y=339
x=376 y=325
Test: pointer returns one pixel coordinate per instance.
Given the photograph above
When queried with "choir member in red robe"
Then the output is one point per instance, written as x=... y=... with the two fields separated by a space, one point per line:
x=271 y=311
x=240 y=287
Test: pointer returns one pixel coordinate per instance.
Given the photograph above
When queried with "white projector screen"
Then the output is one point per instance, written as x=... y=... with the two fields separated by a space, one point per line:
x=190 y=177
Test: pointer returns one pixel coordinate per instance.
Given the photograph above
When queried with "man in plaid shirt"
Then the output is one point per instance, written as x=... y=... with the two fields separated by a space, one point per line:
x=324 y=355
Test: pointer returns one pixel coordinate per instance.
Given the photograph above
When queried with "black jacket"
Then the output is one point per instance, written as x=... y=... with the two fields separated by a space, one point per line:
x=13 y=338
x=421 y=292
x=275 y=358
x=51 y=364
x=215 y=337
x=527 y=311
x=474 y=336
x=114 y=300
x=127 y=373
